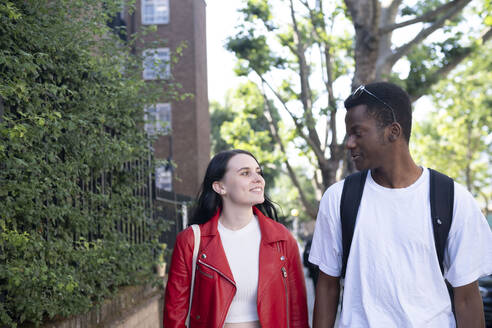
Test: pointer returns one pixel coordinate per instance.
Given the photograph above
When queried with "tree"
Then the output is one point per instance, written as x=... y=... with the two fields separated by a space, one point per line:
x=286 y=195
x=246 y=122
x=240 y=123
x=456 y=136
x=301 y=54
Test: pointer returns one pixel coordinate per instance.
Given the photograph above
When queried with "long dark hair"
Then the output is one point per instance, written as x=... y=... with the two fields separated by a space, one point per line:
x=208 y=201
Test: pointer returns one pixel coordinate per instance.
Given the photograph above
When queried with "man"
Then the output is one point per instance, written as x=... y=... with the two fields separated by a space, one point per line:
x=393 y=277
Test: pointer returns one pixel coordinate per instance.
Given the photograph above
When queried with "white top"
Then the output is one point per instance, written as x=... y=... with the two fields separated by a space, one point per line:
x=242 y=249
x=393 y=278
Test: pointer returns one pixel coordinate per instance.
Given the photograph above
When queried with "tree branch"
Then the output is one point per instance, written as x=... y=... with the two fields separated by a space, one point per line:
x=315 y=147
x=376 y=9
x=425 y=17
x=325 y=51
x=393 y=7
x=446 y=69
x=305 y=87
x=405 y=49
x=317 y=184
x=310 y=209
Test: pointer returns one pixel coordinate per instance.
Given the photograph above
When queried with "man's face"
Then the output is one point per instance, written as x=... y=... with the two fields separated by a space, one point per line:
x=366 y=140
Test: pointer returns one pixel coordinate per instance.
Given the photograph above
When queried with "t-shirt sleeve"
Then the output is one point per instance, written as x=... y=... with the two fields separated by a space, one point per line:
x=469 y=249
x=326 y=248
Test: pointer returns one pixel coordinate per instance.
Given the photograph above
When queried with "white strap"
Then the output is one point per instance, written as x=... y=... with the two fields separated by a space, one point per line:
x=196 y=232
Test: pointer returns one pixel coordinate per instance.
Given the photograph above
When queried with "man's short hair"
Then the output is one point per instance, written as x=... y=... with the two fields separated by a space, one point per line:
x=391 y=94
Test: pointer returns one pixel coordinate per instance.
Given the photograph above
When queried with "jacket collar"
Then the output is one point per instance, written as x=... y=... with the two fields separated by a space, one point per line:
x=270 y=232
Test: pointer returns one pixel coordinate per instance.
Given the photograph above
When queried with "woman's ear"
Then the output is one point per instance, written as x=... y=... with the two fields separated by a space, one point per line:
x=218 y=187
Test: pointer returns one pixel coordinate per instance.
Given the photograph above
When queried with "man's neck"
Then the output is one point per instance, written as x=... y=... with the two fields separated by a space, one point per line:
x=399 y=172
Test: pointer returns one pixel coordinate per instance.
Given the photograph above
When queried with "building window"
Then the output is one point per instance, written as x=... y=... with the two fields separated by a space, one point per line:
x=155 y=11
x=164 y=178
x=156 y=64
x=158 y=119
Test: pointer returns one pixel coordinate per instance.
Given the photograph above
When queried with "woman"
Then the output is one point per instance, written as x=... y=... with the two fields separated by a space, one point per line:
x=248 y=272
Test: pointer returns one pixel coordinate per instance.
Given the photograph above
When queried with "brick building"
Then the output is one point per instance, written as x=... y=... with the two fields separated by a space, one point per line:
x=188 y=143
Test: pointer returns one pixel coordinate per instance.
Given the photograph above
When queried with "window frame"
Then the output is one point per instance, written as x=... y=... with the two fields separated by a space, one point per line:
x=164 y=172
x=153 y=18
x=156 y=63
x=153 y=119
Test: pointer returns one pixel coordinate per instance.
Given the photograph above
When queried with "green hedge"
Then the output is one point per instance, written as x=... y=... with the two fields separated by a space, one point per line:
x=72 y=155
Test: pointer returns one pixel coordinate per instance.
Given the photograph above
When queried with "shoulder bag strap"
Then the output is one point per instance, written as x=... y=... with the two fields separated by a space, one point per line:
x=196 y=232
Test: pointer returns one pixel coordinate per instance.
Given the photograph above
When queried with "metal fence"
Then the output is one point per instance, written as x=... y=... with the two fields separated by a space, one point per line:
x=172 y=208
x=167 y=207
x=159 y=206
x=136 y=231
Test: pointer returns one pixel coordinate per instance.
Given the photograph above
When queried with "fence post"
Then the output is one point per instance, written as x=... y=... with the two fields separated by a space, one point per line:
x=184 y=211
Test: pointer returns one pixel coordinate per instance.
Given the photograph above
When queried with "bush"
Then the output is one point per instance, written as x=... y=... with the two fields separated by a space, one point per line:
x=75 y=216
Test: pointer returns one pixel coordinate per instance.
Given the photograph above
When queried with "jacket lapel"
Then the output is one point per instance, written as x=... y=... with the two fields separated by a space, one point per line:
x=272 y=257
x=212 y=253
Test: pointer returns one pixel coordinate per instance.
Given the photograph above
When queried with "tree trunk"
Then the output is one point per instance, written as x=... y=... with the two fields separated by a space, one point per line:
x=365 y=15
x=388 y=16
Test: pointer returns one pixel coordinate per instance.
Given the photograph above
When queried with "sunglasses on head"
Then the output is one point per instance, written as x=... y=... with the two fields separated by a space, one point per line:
x=361 y=89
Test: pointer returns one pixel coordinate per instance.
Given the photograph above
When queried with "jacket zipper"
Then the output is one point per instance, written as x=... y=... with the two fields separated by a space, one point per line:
x=223 y=275
x=284 y=275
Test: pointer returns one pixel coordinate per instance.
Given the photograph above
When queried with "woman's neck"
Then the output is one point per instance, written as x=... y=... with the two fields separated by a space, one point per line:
x=235 y=218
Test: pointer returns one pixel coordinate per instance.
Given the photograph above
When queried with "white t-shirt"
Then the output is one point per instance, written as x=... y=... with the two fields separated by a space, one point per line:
x=393 y=278
x=242 y=249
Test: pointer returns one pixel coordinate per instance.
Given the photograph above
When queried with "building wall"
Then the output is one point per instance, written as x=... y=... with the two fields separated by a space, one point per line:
x=189 y=144
x=203 y=116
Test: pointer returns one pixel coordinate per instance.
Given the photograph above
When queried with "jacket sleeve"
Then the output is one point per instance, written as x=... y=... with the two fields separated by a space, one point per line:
x=177 y=295
x=298 y=311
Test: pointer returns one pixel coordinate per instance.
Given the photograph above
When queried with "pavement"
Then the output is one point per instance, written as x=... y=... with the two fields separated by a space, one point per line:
x=309 y=287
x=310 y=295
x=310 y=292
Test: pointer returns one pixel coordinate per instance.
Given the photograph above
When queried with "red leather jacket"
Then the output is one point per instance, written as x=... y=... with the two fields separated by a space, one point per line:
x=281 y=289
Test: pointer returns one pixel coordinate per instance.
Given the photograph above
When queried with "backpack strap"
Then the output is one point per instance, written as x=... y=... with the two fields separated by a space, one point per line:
x=441 y=202
x=441 y=196
x=353 y=188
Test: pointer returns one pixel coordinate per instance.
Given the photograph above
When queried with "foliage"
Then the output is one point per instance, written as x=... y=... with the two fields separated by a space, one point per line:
x=72 y=160
x=302 y=53
x=456 y=136
x=218 y=115
x=241 y=123
x=287 y=196
x=427 y=59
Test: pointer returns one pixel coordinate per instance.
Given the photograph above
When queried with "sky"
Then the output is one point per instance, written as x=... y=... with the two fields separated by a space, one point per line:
x=221 y=19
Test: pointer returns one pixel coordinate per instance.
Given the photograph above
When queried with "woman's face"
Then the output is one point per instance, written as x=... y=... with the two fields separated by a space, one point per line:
x=243 y=183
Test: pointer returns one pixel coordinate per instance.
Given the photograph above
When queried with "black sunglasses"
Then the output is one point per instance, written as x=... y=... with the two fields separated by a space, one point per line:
x=361 y=89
